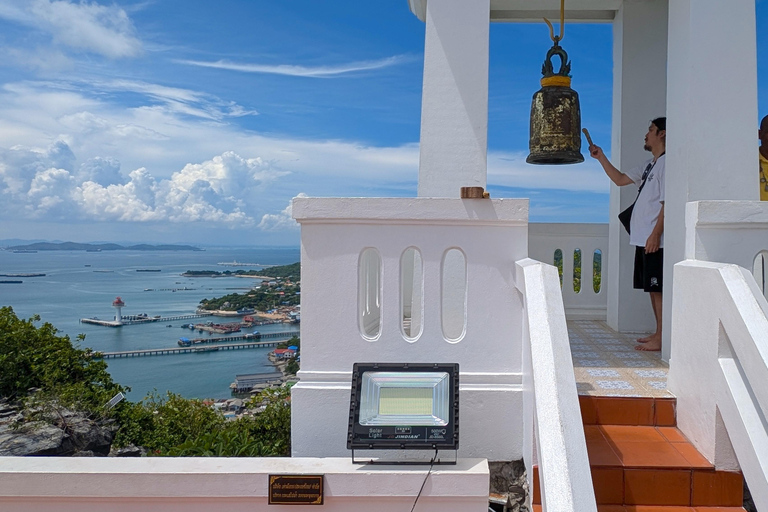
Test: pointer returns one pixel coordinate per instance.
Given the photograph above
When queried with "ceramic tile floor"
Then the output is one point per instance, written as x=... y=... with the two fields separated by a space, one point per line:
x=606 y=363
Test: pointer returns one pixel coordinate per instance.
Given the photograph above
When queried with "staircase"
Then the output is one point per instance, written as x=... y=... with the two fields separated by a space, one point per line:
x=641 y=462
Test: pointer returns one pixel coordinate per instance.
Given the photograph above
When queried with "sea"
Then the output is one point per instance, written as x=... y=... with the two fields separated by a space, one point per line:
x=79 y=284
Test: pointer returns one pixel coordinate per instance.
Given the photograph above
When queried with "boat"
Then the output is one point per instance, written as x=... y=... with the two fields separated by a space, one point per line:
x=185 y=342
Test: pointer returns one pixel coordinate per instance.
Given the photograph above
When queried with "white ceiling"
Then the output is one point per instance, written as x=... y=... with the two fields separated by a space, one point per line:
x=534 y=10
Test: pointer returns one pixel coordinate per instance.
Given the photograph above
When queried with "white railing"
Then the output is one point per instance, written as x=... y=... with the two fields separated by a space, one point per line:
x=719 y=368
x=545 y=239
x=203 y=484
x=553 y=429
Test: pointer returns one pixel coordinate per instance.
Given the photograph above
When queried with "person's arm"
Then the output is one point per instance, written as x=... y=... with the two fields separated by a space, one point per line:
x=618 y=177
x=654 y=240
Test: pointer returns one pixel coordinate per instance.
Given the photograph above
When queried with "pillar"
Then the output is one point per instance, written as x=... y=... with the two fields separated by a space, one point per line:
x=454 y=113
x=639 y=95
x=711 y=130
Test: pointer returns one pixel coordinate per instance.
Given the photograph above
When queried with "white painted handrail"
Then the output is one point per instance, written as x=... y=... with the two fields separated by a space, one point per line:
x=551 y=411
x=719 y=367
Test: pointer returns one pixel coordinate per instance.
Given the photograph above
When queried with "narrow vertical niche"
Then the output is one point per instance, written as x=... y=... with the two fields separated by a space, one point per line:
x=558 y=262
x=577 y=270
x=369 y=293
x=454 y=295
x=760 y=271
x=597 y=270
x=411 y=293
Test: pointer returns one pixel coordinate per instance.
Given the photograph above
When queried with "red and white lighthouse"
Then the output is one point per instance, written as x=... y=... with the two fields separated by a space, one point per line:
x=118 y=305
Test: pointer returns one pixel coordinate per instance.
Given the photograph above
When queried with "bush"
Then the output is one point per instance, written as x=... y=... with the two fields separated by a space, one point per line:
x=37 y=358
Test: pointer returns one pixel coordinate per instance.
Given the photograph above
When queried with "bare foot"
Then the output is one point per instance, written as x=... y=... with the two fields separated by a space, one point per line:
x=652 y=345
x=645 y=340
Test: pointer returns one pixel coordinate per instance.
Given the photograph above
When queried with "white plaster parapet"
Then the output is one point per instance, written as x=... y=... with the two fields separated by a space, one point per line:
x=726 y=231
x=209 y=483
x=422 y=210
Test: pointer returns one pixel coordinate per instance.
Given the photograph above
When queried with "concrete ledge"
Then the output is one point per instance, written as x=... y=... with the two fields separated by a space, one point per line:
x=422 y=210
x=29 y=483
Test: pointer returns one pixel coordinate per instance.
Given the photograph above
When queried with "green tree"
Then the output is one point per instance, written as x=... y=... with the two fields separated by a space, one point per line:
x=33 y=357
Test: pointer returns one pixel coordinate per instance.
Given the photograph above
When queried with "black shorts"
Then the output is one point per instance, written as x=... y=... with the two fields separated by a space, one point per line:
x=649 y=270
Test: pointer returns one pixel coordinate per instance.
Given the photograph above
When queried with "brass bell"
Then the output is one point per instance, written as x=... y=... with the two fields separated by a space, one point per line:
x=555 y=115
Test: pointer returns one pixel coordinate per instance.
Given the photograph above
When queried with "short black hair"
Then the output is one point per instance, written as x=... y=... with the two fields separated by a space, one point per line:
x=660 y=123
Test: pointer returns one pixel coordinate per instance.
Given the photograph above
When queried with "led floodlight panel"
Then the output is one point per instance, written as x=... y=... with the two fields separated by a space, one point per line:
x=404 y=405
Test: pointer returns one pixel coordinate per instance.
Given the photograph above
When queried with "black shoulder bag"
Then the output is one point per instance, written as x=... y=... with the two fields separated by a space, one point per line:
x=626 y=216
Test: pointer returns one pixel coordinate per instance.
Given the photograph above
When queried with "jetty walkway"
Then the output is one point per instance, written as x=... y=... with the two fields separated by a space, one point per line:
x=135 y=319
x=282 y=336
x=184 y=350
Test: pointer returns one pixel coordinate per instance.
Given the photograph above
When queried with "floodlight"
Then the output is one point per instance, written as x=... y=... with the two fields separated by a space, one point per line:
x=404 y=406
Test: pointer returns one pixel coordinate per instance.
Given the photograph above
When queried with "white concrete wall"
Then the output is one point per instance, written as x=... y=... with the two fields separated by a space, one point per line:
x=719 y=368
x=719 y=325
x=639 y=95
x=491 y=233
x=727 y=232
x=205 y=484
x=712 y=88
x=454 y=111
x=544 y=239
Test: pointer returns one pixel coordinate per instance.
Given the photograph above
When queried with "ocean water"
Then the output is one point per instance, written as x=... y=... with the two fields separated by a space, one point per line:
x=81 y=284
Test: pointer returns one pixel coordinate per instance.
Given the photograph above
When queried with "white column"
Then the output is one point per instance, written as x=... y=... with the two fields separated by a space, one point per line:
x=712 y=97
x=454 y=112
x=639 y=95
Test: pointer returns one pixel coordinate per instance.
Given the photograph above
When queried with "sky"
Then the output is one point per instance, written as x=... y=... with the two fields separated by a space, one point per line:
x=192 y=121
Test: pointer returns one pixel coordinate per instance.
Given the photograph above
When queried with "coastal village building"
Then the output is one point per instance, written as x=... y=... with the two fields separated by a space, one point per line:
x=436 y=278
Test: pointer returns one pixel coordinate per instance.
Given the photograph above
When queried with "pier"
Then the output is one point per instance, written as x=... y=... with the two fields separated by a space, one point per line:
x=183 y=350
x=285 y=335
x=136 y=319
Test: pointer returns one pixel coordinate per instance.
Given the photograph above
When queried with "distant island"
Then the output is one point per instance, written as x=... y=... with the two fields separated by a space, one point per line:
x=292 y=272
x=73 y=246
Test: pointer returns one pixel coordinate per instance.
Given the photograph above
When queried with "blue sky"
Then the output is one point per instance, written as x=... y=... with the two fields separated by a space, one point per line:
x=197 y=122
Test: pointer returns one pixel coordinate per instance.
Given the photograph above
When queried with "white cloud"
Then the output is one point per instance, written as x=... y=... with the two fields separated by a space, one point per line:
x=83 y=26
x=282 y=221
x=304 y=71
x=222 y=190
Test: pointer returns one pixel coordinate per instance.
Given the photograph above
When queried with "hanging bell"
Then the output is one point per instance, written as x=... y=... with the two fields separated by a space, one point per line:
x=555 y=115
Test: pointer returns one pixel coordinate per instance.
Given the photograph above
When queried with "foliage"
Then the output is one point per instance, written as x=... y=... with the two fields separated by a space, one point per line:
x=178 y=427
x=293 y=342
x=159 y=423
x=292 y=366
x=261 y=299
x=291 y=272
x=596 y=269
x=36 y=357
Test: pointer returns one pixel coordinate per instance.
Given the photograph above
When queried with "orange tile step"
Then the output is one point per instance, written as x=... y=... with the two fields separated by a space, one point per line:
x=641 y=465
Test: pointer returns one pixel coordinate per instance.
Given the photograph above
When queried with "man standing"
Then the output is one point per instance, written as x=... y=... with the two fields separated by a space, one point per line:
x=762 y=134
x=647 y=223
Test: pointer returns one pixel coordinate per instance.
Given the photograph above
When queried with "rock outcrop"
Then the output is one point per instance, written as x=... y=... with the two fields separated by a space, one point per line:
x=59 y=432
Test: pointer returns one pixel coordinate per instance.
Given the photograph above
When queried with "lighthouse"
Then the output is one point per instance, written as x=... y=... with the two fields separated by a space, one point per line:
x=118 y=305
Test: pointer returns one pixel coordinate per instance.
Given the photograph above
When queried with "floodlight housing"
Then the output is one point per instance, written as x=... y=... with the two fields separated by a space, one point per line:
x=404 y=406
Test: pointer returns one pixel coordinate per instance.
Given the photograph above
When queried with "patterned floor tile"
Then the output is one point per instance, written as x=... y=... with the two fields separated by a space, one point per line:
x=607 y=364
